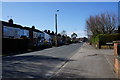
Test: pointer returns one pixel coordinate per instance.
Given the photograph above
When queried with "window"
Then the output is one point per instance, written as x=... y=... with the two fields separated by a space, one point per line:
x=26 y=33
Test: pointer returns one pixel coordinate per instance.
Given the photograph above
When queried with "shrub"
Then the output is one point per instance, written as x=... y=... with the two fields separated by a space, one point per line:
x=101 y=39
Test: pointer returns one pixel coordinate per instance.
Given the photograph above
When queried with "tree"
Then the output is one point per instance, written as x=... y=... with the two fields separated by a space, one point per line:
x=63 y=33
x=104 y=23
x=74 y=35
x=119 y=29
x=59 y=34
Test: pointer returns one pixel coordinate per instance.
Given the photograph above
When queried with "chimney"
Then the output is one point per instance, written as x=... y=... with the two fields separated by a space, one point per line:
x=33 y=27
x=10 y=21
x=48 y=31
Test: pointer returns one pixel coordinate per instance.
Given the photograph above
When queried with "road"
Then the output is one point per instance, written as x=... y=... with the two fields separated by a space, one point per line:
x=39 y=64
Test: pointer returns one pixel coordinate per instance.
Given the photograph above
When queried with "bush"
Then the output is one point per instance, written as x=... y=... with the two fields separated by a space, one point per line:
x=101 y=39
x=14 y=45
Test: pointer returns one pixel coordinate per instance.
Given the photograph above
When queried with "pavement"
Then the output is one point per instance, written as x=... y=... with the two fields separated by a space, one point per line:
x=89 y=63
x=109 y=55
x=70 y=61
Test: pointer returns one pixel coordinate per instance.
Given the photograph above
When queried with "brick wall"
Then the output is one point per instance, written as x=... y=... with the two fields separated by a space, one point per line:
x=116 y=60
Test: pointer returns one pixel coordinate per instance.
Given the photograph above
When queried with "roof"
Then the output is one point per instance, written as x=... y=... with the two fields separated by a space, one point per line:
x=18 y=26
x=11 y=25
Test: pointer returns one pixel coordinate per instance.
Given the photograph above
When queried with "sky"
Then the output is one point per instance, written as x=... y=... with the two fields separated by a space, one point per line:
x=59 y=0
x=71 y=15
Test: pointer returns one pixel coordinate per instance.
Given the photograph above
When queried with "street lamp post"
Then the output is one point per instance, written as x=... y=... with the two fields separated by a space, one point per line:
x=56 y=28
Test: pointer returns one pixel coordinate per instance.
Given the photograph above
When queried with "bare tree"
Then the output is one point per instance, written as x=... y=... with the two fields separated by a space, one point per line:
x=104 y=23
x=63 y=33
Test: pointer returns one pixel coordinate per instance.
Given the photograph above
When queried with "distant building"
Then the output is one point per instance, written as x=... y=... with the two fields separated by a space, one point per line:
x=52 y=35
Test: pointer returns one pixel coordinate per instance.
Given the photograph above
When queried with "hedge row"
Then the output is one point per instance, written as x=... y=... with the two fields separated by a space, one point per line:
x=11 y=45
x=15 y=46
x=102 y=39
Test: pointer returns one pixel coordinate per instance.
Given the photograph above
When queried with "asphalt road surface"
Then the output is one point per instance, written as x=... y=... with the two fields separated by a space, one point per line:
x=39 y=64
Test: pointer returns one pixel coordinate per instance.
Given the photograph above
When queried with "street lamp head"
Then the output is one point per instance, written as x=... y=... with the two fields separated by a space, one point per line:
x=57 y=10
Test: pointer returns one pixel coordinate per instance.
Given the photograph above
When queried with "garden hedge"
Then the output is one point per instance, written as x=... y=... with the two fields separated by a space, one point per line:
x=102 y=39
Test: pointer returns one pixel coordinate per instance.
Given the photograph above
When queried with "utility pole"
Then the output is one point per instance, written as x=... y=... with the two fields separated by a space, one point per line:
x=56 y=28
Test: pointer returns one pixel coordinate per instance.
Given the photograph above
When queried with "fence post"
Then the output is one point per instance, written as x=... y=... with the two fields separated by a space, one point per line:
x=117 y=57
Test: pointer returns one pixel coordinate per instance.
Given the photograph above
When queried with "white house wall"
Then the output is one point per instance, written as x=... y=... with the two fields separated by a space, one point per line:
x=12 y=32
